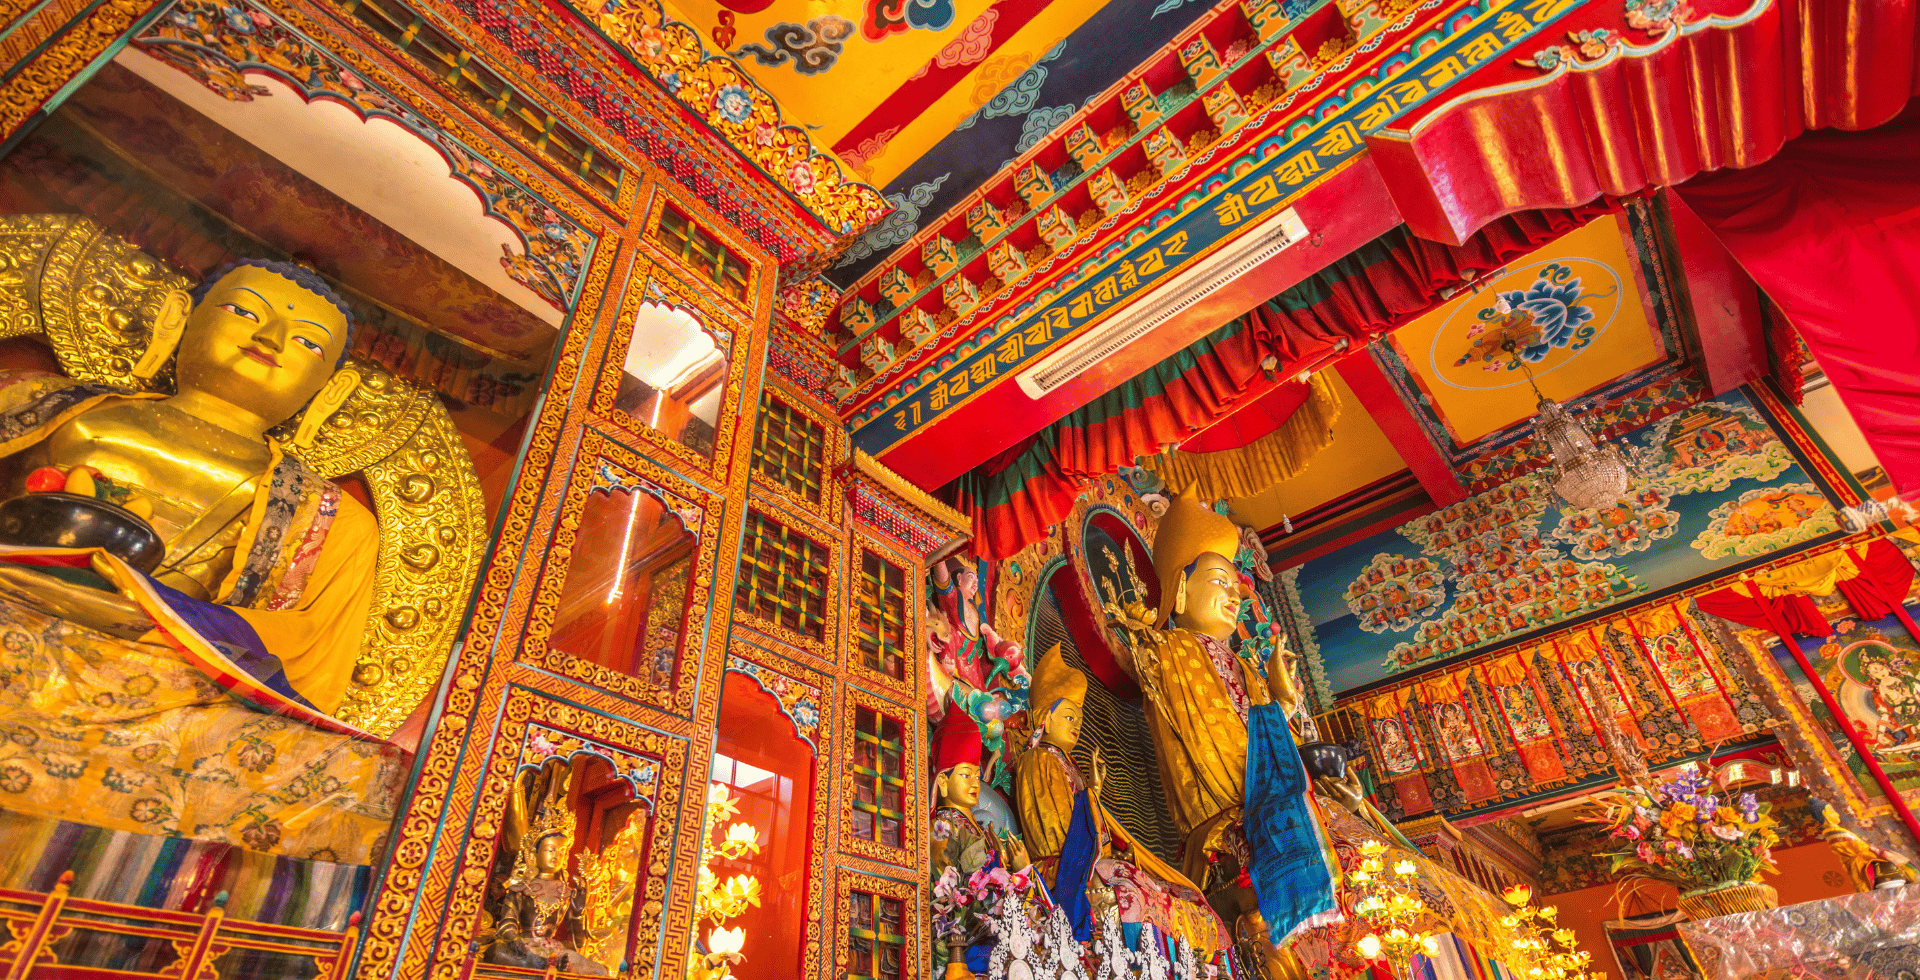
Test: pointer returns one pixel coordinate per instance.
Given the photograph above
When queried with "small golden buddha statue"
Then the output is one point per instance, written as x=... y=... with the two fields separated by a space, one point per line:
x=1047 y=784
x=540 y=913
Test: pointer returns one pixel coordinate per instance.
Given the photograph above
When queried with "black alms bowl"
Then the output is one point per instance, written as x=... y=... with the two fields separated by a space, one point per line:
x=1324 y=759
x=69 y=520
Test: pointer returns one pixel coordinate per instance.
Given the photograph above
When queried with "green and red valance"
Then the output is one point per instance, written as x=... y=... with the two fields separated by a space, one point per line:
x=1017 y=497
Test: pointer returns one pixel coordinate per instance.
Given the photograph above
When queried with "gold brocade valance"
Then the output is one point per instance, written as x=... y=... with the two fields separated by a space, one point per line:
x=1260 y=464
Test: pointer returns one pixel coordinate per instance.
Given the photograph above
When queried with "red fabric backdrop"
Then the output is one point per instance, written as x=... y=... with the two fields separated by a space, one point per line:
x=1830 y=229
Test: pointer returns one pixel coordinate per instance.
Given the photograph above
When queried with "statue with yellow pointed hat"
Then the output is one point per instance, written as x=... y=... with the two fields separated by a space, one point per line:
x=1201 y=695
x=1049 y=785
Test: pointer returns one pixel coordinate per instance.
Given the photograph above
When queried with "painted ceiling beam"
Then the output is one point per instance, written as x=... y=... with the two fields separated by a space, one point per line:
x=1395 y=418
x=1346 y=211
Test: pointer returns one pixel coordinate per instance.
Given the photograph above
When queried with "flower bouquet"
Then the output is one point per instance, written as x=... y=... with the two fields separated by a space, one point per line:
x=1712 y=847
x=964 y=906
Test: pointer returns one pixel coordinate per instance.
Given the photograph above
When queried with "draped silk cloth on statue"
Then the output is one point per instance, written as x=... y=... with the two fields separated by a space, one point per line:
x=1146 y=888
x=212 y=725
x=1200 y=734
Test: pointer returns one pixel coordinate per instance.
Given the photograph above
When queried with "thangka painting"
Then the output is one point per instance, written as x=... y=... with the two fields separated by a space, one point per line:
x=1873 y=671
x=1718 y=487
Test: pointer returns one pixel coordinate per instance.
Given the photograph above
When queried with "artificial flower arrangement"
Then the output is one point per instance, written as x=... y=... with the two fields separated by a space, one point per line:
x=964 y=904
x=1683 y=833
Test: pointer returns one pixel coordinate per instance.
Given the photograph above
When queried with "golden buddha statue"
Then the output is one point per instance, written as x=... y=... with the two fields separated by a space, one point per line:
x=538 y=916
x=1048 y=785
x=1198 y=691
x=220 y=413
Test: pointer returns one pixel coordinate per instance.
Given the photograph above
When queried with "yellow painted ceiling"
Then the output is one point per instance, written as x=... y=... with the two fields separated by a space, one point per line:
x=1454 y=352
x=820 y=61
x=1360 y=455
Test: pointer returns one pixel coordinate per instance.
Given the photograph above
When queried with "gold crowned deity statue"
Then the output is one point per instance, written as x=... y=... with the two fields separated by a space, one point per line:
x=1049 y=784
x=539 y=911
x=195 y=694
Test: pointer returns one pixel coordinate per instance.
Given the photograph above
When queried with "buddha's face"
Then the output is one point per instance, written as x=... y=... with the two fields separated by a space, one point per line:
x=261 y=342
x=1214 y=597
x=1062 y=726
x=550 y=855
x=959 y=787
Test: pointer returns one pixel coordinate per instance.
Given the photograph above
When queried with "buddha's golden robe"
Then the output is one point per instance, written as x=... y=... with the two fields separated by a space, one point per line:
x=155 y=735
x=1199 y=724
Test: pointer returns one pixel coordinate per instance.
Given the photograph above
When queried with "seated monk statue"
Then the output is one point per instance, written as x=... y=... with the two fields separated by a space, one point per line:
x=119 y=700
x=1049 y=787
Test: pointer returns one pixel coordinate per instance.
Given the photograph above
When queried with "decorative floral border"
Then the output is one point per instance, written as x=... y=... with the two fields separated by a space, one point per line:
x=603 y=463
x=715 y=89
x=640 y=772
x=802 y=703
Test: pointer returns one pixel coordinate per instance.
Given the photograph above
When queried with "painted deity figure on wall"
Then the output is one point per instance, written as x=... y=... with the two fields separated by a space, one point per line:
x=968 y=648
x=260 y=596
x=1879 y=691
x=538 y=910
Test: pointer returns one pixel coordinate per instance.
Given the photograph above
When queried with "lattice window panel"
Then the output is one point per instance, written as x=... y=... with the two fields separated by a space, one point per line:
x=1133 y=790
x=881 y=632
x=877 y=944
x=783 y=576
x=789 y=448
x=678 y=234
x=878 y=771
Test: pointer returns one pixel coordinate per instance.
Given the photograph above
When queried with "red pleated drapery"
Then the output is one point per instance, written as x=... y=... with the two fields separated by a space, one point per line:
x=1830 y=229
x=1016 y=498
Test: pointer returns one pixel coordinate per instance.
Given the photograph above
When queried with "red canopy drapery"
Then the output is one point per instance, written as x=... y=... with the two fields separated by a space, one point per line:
x=1016 y=498
x=1830 y=229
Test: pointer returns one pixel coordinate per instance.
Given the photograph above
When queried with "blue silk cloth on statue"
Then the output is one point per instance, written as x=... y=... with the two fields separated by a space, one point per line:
x=1292 y=877
x=1077 y=855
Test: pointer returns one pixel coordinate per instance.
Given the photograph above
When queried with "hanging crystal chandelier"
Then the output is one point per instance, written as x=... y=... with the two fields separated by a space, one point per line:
x=1585 y=474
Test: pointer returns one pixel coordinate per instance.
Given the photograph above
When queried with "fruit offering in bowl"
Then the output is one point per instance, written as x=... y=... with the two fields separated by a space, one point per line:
x=79 y=508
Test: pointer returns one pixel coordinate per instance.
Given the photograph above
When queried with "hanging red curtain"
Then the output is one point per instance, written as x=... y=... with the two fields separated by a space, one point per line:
x=1830 y=229
x=1016 y=498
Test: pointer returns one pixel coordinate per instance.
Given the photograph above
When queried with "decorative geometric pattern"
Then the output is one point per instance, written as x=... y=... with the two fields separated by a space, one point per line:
x=799 y=701
x=679 y=235
x=880 y=630
x=878 y=772
x=783 y=576
x=789 y=448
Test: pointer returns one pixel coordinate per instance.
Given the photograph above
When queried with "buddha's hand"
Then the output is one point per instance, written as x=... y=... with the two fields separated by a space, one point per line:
x=1346 y=790
x=1099 y=773
x=98 y=609
x=1280 y=678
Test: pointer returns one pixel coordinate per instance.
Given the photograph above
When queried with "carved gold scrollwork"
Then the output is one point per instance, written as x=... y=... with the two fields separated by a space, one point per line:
x=94 y=296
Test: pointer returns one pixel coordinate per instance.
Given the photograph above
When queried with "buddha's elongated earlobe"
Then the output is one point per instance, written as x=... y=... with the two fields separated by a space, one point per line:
x=168 y=324
x=1180 y=596
x=333 y=395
